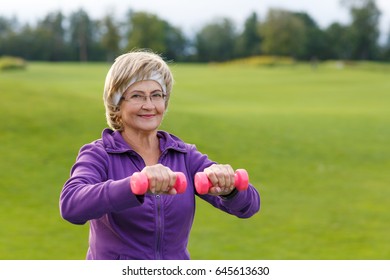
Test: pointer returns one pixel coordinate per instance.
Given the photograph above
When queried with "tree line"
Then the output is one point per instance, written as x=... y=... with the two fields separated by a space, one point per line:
x=78 y=37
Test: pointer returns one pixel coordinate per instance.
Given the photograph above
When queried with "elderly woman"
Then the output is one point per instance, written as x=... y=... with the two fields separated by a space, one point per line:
x=156 y=224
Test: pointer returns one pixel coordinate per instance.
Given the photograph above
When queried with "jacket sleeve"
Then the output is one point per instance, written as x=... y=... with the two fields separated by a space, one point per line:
x=89 y=193
x=242 y=204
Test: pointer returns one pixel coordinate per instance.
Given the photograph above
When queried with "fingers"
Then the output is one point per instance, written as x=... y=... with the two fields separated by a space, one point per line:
x=161 y=179
x=221 y=177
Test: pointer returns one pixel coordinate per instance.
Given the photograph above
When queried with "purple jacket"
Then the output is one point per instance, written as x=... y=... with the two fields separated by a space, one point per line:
x=127 y=226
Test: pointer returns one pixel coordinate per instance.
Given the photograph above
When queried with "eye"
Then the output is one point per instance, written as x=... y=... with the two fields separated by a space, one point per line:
x=157 y=95
x=137 y=97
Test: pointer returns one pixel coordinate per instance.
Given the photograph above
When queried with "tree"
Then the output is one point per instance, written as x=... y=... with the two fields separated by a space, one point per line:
x=215 y=41
x=50 y=33
x=338 y=41
x=149 y=31
x=315 y=43
x=146 y=31
x=23 y=41
x=248 y=43
x=6 y=27
x=364 y=28
x=386 y=49
x=283 y=33
x=110 y=37
x=8 y=32
x=81 y=34
x=175 y=42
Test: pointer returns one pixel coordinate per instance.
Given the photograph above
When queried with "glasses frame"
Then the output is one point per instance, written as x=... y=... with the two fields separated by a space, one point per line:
x=141 y=99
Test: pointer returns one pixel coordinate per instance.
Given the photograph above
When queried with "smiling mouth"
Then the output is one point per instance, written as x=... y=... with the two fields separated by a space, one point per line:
x=148 y=116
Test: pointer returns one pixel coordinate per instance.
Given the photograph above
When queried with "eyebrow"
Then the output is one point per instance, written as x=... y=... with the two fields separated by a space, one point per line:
x=143 y=92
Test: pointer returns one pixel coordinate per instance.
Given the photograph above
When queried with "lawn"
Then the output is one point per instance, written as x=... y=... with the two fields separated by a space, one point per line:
x=315 y=144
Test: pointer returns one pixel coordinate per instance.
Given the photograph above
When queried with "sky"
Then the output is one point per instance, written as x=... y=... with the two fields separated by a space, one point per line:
x=190 y=16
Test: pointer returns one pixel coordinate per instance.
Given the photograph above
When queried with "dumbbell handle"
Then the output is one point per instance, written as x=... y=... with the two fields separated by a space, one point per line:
x=203 y=184
x=139 y=183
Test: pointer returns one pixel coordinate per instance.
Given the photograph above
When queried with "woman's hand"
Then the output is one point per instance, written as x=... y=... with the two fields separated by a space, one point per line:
x=221 y=177
x=161 y=179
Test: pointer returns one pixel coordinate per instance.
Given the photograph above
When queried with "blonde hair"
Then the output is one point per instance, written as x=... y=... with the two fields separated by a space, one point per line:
x=135 y=65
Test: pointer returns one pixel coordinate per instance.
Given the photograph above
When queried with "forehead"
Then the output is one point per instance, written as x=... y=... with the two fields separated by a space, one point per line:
x=145 y=86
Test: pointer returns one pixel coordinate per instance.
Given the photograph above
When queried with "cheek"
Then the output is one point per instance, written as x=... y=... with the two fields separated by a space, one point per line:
x=124 y=115
x=125 y=110
x=161 y=109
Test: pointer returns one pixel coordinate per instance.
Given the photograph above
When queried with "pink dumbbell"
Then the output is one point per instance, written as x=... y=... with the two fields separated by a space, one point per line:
x=203 y=184
x=139 y=183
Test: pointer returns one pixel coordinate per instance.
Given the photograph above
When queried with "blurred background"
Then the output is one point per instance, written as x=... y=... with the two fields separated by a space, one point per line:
x=196 y=31
x=296 y=92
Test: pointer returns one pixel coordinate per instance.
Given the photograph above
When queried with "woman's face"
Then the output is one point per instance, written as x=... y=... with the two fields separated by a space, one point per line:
x=142 y=107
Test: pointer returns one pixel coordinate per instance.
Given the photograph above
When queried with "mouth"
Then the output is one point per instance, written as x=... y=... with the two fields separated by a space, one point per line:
x=147 y=116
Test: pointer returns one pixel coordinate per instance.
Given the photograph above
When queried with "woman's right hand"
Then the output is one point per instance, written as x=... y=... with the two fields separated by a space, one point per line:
x=161 y=179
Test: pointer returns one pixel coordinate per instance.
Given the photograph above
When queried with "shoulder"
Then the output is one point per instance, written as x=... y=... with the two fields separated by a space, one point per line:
x=98 y=147
x=93 y=149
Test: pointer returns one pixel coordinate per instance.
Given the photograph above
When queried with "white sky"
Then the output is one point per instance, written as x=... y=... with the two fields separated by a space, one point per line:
x=190 y=15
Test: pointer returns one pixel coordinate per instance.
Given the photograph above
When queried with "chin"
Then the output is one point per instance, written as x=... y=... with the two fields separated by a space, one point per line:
x=149 y=128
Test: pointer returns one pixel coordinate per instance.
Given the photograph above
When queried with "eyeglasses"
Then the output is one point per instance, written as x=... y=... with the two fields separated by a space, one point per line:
x=137 y=99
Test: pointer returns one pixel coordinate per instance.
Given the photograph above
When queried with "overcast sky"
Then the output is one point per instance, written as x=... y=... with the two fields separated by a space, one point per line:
x=189 y=15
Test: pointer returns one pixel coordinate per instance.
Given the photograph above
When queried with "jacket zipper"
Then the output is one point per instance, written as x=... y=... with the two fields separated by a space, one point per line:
x=159 y=218
x=159 y=228
x=158 y=252
x=158 y=198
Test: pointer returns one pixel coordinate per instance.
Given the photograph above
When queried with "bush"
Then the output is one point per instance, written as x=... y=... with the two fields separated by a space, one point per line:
x=10 y=63
x=265 y=60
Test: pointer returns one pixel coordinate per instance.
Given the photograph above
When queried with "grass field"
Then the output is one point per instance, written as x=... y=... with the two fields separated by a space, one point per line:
x=315 y=143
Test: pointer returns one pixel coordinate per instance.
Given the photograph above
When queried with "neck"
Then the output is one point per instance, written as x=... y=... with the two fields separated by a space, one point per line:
x=140 y=139
x=145 y=144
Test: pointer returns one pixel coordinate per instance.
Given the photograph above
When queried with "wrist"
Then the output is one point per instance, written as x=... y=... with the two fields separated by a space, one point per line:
x=232 y=194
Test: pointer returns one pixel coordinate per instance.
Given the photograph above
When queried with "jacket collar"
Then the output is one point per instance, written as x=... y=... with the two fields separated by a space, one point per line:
x=114 y=143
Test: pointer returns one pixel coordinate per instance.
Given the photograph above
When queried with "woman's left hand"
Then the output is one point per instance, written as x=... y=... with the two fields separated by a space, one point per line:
x=221 y=177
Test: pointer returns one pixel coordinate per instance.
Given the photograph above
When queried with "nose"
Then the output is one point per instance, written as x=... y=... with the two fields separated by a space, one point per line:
x=148 y=103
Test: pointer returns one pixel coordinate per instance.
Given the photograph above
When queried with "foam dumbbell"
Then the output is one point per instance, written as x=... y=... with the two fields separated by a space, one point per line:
x=139 y=183
x=203 y=184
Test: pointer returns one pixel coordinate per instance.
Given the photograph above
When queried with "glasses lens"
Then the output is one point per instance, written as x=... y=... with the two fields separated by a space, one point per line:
x=155 y=98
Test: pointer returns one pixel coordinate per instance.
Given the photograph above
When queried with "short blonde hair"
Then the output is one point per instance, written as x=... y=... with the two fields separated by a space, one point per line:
x=138 y=64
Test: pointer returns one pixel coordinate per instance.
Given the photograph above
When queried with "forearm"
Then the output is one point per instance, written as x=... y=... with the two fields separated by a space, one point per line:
x=80 y=202
x=243 y=204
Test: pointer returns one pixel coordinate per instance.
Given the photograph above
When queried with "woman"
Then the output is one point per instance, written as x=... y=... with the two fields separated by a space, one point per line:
x=155 y=225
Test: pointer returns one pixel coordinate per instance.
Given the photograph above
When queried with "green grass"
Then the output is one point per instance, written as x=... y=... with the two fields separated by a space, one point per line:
x=315 y=143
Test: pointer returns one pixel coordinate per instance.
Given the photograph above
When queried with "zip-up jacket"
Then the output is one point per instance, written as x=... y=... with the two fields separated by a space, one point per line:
x=128 y=226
